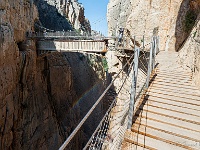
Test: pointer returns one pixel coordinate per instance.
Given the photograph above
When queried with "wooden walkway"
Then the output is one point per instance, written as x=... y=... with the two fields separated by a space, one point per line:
x=168 y=117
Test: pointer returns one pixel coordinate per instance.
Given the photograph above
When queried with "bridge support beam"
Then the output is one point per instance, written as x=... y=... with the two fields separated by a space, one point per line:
x=133 y=87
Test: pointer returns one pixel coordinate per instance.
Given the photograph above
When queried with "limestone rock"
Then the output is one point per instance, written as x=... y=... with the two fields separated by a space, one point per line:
x=39 y=98
x=62 y=15
x=140 y=17
x=189 y=54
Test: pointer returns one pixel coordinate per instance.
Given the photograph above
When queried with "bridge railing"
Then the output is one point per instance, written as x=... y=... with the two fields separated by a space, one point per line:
x=64 y=35
x=135 y=73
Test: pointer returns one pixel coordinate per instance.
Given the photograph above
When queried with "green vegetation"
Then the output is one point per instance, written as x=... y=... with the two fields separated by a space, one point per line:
x=189 y=20
x=105 y=63
x=194 y=34
x=78 y=31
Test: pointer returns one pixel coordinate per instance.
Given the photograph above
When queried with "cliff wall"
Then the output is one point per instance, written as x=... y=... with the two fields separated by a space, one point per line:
x=141 y=17
x=62 y=15
x=172 y=20
x=189 y=54
x=42 y=98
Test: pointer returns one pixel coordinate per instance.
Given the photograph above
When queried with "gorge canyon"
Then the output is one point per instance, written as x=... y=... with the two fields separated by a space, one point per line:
x=44 y=97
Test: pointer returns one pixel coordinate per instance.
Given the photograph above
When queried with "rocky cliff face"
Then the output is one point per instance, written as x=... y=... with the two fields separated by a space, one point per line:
x=16 y=19
x=172 y=20
x=62 y=15
x=141 y=17
x=42 y=98
x=189 y=55
x=75 y=13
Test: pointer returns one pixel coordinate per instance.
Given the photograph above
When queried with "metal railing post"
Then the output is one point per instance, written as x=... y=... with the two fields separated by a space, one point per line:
x=158 y=45
x=155 y=46
x=133 y=87
x=153 y=52
x=143 y=43
x=149 y=65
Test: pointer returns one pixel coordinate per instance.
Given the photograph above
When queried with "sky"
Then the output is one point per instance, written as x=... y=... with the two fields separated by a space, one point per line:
x=95 y=11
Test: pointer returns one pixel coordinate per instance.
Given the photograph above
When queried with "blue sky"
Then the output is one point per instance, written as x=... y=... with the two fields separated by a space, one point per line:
x=95 y=11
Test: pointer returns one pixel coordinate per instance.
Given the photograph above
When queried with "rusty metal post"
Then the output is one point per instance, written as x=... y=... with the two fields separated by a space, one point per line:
x=133 y=87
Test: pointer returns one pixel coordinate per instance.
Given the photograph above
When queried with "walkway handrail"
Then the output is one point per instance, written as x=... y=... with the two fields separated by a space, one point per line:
x=106 y=116
x=97 y=140
x=65 y=35
x=136 y=60
x=91 y=110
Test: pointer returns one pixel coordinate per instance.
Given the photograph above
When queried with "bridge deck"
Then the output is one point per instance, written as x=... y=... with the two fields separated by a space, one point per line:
x=95 y=46
x=168 y=116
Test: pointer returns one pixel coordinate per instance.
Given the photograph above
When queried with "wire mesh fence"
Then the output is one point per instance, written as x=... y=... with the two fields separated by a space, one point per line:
x=110 y=131
x=109 y=134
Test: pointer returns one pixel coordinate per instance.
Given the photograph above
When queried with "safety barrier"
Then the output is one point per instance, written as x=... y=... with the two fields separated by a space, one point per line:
x=63 y=35
x=110 y=131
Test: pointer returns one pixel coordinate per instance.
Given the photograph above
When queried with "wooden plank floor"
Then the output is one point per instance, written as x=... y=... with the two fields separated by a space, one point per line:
x=168 y=117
